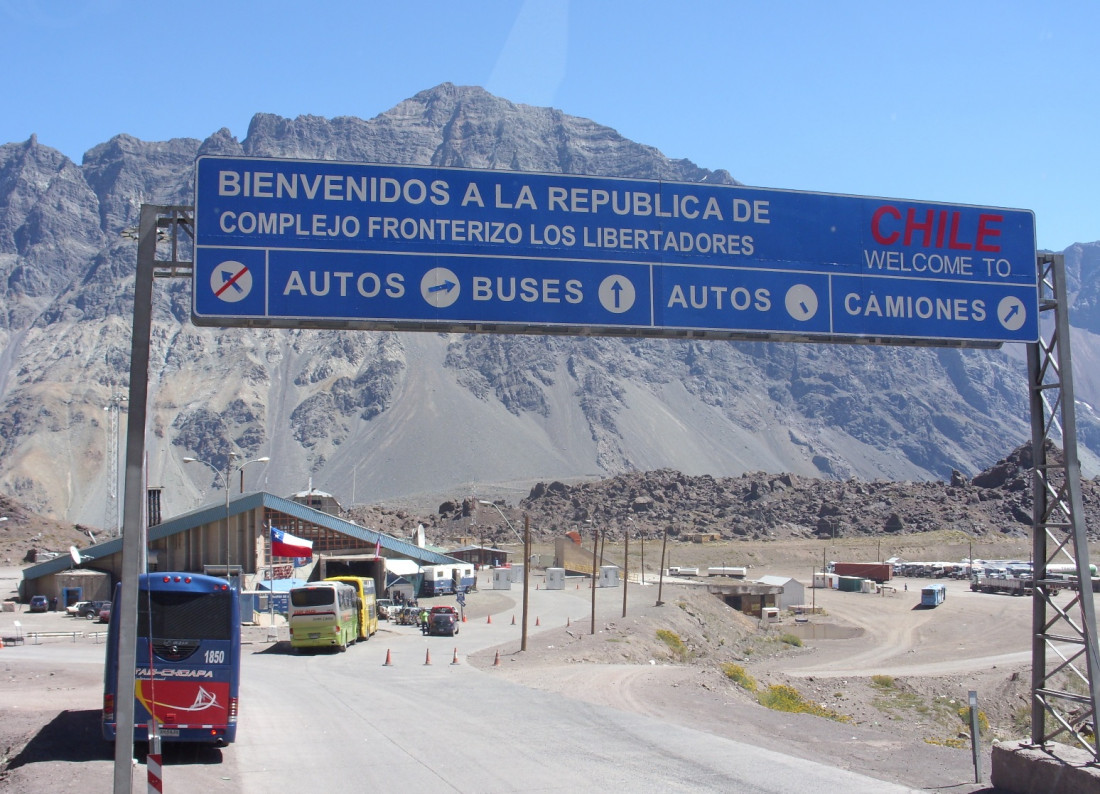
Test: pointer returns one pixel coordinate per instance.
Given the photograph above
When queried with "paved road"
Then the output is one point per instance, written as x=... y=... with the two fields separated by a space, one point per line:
x=347 y=722
x=320 y=722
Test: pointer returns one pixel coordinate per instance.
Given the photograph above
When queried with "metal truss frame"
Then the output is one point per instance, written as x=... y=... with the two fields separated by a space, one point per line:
x=1065 y=672
x=1065 y=669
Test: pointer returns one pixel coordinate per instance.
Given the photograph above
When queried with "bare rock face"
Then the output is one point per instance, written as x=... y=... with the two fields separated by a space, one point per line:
x=754 y=506
x=384 y=416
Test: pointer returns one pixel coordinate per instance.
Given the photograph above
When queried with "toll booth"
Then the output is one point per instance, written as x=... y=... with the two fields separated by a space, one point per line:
x=502 y=579
x=609 y=576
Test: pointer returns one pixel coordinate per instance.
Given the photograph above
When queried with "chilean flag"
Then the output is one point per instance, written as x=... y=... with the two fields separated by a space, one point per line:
x=283 y=544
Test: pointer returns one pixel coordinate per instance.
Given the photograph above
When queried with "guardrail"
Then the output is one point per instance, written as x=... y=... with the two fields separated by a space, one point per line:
x=37 y=635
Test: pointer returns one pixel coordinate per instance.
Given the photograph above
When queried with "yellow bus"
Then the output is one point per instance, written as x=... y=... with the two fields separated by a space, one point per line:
x=368 y=602
x=323 y=615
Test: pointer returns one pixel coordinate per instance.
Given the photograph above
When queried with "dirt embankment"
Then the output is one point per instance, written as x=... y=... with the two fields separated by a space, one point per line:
x=878 y=684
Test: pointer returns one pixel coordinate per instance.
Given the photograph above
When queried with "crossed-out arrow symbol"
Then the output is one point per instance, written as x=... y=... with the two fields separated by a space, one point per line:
x=230 y=280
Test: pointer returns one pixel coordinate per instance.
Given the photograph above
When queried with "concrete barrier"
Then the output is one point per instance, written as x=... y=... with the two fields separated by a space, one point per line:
x=1020 y=768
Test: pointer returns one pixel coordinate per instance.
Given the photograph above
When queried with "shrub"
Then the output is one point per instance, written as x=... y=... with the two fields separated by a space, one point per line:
x=983 y=721
x=739 y=676
x=791 y=639
x=883 y=681
x=674 y=643
x=780 y=697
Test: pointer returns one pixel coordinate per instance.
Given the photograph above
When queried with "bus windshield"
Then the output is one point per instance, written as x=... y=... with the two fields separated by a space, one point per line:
x=313 y=596
x=196 y=616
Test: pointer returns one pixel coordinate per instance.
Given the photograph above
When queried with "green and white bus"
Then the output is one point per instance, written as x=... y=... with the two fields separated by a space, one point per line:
x=323 y=615
x=368 y=603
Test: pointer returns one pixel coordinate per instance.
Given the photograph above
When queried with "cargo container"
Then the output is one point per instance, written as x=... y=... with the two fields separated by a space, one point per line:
x=879 y=571
x=849 y=584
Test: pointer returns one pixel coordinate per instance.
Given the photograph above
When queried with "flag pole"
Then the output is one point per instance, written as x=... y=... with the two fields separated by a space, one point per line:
x=271 y=630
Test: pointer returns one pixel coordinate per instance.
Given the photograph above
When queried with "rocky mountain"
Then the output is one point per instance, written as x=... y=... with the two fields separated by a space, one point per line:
x=389 y=417
x=993 y=505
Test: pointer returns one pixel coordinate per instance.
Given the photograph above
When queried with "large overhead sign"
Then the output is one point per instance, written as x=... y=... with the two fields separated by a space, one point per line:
x=319 y=244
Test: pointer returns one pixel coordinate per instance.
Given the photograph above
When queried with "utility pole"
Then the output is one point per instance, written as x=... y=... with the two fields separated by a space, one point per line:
x=595 y=545
x=626 y=568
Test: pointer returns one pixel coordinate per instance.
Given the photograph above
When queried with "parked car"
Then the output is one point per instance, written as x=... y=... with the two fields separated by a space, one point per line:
x=443 y=624
x=385 y=608
x=443 y=609
x=90 y=610
x=74 y=610
x=40 y=603
x=105 y=612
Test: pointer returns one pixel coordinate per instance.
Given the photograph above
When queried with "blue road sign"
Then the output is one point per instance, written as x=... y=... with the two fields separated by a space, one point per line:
x=294 y=243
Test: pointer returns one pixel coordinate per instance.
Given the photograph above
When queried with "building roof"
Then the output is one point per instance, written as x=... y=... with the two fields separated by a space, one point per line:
x=241 y=504
x=777 y=580
x=462 y=549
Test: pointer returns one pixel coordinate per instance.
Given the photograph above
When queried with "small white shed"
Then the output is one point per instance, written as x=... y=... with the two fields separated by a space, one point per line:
x=794 y=594
x=555 y=578
x=609 y=576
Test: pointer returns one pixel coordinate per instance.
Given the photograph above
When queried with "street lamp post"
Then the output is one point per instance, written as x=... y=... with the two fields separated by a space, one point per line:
x=661 y=570
x=227 y=479
x=526 y=540
x=506 y=521
x=626 y=567
x=595 y=545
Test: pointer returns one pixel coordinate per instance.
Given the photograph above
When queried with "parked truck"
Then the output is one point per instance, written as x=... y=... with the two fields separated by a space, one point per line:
x=1011 y=585
x=879 y=571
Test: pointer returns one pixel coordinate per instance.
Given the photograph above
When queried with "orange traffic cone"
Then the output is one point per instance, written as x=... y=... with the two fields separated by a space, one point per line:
x=489 y=619
x=463 y=617
x=537 y=621
x=496 y=661
x=388 y=663
x=455 y=659
x=428 y=656
x=513 y=620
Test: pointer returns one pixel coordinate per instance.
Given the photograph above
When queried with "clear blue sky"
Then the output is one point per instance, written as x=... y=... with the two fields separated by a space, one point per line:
x=988 y=103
